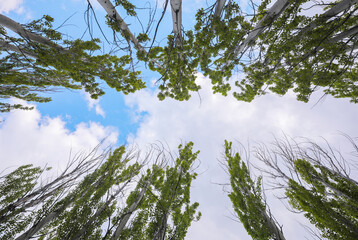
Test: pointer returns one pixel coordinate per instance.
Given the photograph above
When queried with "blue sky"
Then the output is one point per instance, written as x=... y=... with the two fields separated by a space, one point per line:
x=72 y=122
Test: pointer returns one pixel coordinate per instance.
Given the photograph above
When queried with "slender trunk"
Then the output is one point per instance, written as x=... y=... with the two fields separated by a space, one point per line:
x=41 y=194
x=99 y=211
x=46 y=220
x=219 y=8
x=273 y=226
x=55 y=213
x=176 y=6
x=9 y=47
x=30 y=36
x=163 y=228
x=12 y=207
x=339 y=37
x=334 y=11
x=269 y=221
x=345 y=34
x=16 y=27
x=271 y=15
x=114 y=15
x=340 y=174
x=131 y=209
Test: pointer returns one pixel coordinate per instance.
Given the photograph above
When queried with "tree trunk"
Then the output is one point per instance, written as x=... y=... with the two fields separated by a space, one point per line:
x=124 y=220
x=55 y=213
x=273 y=226
x=16 y=27
x=176 y=6
x=219 y=8
x=100 y=210
x=9 y=47
x=345 y=34
x=274 y=12
x=46 y=220
x=114 y=15
x=334 y=11
x=46 y=191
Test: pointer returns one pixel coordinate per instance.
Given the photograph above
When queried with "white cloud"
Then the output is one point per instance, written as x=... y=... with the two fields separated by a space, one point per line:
x=11 y=5
x=210 y=119
x=28 y=137
x=94 y=103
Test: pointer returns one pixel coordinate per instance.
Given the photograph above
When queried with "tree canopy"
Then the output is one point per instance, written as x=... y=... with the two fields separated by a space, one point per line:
x=316 y=181
x=247 y=200
x=277 y=45
x=117 y=198
x=40 y=60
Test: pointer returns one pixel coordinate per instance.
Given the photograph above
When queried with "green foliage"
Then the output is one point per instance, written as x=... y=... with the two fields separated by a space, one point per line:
x=246 y=198
x=41 y=67
x=330 y=201
x=129 y=7
x=292 y=51
x=213 y=36
x=165 y=212
x=12 y=187
x=159 y=204
x=176 y=67
x=143 y=37
x=303 y=53
x=316 y=183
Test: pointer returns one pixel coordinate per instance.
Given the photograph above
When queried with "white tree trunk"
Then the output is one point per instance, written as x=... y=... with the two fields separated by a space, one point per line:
x=113 y=14
x=46 y=191
x=274 y=12
x=127 y=215
x=334 y=11
x=219 y=7
x=16 y=27
x=341 y=36
x=100 y=210
x=9 y=47
x=46 y=220
x=273 y=226
x=176 y=6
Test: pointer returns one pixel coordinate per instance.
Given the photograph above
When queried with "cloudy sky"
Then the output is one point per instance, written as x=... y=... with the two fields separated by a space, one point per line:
x=73 y=122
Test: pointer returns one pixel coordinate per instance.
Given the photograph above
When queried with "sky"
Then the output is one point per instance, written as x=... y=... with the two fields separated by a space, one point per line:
x=73 y=122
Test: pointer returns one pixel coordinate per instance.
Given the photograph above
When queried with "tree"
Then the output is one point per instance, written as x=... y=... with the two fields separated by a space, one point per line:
x=247 y=200
x=20 y=191
x=40 y=60
x=116 y=200
x=283 y=47
x=316 y=181
x=279 y=46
